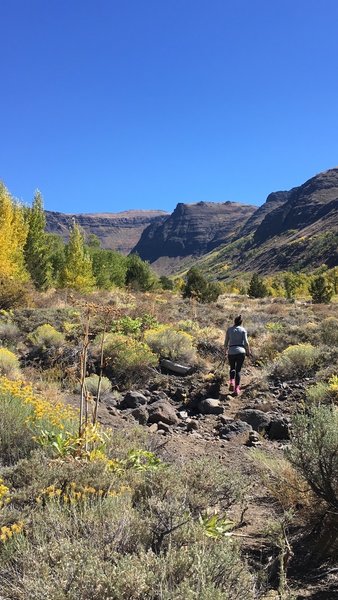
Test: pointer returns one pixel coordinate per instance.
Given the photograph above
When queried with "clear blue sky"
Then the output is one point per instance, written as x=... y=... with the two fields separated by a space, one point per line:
x=108 y=105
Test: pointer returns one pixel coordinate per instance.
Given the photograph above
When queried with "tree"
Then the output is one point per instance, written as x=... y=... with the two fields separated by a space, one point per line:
x=109 y=268
x=197 y=286
x=77 y=271
x=139 y=275
x=290 y=285
x=37 y=255
x=257 y=287
x=13 y=234
x=56 y=249
x=166 y=283
x=321 y=290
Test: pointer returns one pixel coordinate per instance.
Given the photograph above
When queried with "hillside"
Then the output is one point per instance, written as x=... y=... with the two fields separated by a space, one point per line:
x=191 y=231
x=118 y=231
x=295 y=229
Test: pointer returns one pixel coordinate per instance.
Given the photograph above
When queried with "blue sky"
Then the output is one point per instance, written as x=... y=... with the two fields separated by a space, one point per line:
x=109 y=105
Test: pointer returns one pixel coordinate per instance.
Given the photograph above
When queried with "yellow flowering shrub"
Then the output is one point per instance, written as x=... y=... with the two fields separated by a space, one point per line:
x=7 y=532
x=9 y=364
x=169 y=343
x=56 y=414
x=4 y=494
x=125 y=354
x=80 y=495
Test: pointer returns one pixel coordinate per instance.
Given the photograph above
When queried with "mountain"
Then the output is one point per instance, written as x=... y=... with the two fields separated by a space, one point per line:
x=292 y=229
x=295 y=229
x=191 y=231
x=118 y=231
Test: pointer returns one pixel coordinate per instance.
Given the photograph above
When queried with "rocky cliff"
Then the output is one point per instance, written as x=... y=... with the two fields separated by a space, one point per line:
x=118 y=231
x=190 y=231
x=294 y=229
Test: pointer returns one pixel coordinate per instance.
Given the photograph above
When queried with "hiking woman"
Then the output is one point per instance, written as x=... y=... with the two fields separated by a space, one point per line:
x=237 y=345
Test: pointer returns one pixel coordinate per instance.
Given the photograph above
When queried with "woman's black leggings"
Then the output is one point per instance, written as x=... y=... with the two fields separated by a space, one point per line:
x=236 y=363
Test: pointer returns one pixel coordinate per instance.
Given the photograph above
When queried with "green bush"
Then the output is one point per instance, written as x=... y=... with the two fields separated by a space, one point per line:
x=329 y=331
x=9 y=364
x=126 y=357
x=314 y=454
x=15 y=438
x=92 y=384
x=9 y=332
x=46 y=336
x=296 y=361
x=169 y=343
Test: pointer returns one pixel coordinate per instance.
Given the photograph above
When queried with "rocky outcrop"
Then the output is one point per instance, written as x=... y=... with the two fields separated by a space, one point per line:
x=193 y=230
x=273 y=201
x=117 y=231
x=311 y=206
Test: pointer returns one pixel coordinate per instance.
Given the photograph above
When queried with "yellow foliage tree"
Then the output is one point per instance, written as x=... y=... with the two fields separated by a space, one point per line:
x=13 y=234
x=77 y=272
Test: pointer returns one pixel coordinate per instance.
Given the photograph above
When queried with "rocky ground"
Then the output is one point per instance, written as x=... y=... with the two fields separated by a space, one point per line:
x=195 y=415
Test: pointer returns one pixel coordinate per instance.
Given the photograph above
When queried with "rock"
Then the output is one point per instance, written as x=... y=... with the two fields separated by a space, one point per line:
x=234 y=428
x=183 y=414
x=132 y=399
x=174 y=367
x=140 y=414
x=161 y=410
x=163 y=426
x=210 y=406
x=279 y=428
x=253 y=440
x=259 y=420
x=192 y=425
x=153 y=428
x=113 y=411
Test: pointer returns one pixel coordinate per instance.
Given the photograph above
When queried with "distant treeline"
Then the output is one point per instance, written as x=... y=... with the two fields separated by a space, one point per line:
x=29 y=254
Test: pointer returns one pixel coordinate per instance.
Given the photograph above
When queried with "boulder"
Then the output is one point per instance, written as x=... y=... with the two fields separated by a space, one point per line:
x=258 y=419
x=140 y=414
x=164 y=426
x=132 y=399
x=161 y=410
x=210 y=406
x=234 y=428
x=279 y=428
x=174 y=367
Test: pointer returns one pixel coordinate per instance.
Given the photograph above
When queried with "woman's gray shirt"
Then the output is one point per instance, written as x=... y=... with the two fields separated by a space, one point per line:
x=236 y=340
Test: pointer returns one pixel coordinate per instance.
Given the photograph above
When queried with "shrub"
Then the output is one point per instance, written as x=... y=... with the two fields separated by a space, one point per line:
x=92 y=383
x=126 y=357
x=296 y=361
x=9 y=332
x=13 y=293
x=15 y=439
x=314 y=454
x=329 y=331
x=46 y=336
x=168 y=343
x=9 y=364
x=128 y=326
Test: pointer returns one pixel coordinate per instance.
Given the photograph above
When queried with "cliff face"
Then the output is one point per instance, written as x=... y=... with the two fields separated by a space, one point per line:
x=295 y=229
x=273 y=201
x=192 y=230
x=120 y=231
x=311 y=205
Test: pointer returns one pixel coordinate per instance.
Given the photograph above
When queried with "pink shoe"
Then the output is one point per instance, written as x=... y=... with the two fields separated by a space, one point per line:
x=231 y=385
x=237 y=390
